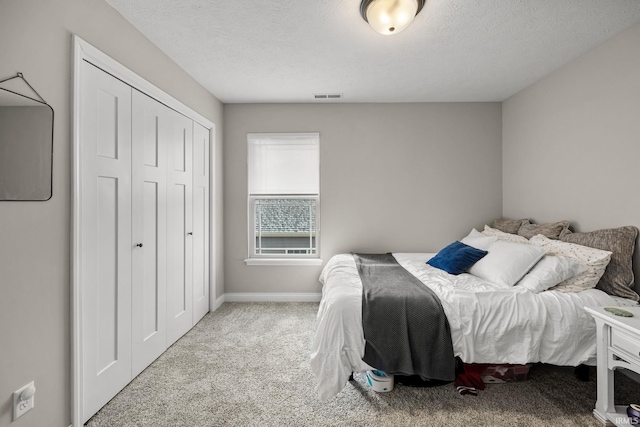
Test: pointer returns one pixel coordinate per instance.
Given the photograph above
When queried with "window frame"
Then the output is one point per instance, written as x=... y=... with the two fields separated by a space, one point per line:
x=253 y=235
x=280 y=259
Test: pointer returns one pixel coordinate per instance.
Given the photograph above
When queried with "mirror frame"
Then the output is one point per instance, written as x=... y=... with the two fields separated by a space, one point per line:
x=50 y=194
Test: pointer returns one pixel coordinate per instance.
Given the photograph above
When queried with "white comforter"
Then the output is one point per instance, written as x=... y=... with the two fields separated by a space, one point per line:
x=489 y=323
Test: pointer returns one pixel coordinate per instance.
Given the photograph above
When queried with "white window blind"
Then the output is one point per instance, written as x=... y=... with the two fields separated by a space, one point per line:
x=284 y=195
x=282 y=164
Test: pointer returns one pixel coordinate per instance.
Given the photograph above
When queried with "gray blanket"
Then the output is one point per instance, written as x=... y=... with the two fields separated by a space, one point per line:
x=405 y=327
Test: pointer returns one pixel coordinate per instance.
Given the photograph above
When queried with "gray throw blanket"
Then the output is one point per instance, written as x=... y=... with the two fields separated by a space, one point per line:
x=405 y=327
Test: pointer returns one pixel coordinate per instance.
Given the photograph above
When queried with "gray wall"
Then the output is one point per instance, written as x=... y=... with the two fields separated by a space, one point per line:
x=35 y=286
x=393 y=177
x=571 y=142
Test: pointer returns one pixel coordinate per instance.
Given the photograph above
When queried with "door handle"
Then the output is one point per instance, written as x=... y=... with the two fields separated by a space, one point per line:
x=190 y=233
x=139 y=245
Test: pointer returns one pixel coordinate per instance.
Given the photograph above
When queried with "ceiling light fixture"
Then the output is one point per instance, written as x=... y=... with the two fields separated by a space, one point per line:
x=390 y=16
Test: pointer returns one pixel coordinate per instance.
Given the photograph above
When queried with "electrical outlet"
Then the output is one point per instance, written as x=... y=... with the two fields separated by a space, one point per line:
x=23 y=400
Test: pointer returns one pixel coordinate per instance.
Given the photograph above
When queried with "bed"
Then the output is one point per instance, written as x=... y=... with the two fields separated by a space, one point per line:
x=490 y=323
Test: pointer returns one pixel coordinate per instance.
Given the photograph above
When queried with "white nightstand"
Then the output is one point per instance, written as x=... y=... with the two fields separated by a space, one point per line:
x=618 y=347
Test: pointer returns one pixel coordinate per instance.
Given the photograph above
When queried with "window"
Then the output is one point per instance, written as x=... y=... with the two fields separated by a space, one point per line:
x=284 y=195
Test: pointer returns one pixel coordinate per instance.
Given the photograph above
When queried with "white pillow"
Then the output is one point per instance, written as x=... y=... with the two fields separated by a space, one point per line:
x=479 y=240
x=501 y=235
x=507 y=262
x=595 y=261
x=550 y=271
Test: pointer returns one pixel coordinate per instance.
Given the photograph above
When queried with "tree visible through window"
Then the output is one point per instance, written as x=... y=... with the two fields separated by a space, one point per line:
x=283 y=195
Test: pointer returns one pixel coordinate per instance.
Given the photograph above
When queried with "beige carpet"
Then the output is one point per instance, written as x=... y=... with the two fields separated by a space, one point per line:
x=247 y=364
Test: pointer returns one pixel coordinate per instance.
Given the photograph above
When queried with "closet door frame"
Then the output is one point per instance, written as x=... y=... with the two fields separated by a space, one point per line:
x=83 y=51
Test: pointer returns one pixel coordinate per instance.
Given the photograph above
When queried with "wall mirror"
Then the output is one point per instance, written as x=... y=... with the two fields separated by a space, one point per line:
x=26 y=142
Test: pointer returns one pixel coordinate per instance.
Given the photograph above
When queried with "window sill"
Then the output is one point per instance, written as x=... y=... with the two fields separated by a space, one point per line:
x=283 y=261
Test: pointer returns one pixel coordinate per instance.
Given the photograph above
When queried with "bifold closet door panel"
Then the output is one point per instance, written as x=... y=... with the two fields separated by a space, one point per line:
x=200 y=221
x=149 y=233
x=179 y=226
x=105 y=228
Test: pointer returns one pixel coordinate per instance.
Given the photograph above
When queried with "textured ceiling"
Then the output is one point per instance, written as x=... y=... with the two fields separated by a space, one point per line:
x=455 y=50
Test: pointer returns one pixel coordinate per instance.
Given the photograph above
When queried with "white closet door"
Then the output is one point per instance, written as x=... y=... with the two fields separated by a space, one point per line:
x=179 y=226
x=200 y=221
x=149 y=187
x=105 y=252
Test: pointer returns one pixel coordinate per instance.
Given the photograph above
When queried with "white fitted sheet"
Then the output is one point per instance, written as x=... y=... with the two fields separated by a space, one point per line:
x=489 y=323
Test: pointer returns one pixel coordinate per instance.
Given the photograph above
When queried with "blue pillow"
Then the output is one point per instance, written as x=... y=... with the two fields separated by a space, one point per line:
x=456 y=258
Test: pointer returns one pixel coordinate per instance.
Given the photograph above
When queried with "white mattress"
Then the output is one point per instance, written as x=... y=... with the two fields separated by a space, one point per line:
x=489 y=323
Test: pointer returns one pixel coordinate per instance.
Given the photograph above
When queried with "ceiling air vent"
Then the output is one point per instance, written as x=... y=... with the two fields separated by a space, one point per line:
x=327 y=96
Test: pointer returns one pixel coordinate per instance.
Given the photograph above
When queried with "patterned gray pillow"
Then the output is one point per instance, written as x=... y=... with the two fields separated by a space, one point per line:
x=618 y=277
x=509 y=225
x=552 y=230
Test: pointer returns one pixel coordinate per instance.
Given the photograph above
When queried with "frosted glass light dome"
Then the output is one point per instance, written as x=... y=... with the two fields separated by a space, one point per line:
x=390 y=16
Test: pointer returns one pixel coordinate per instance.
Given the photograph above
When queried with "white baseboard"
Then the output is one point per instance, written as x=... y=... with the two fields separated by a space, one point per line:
x=217 y=303
x=272 y=297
